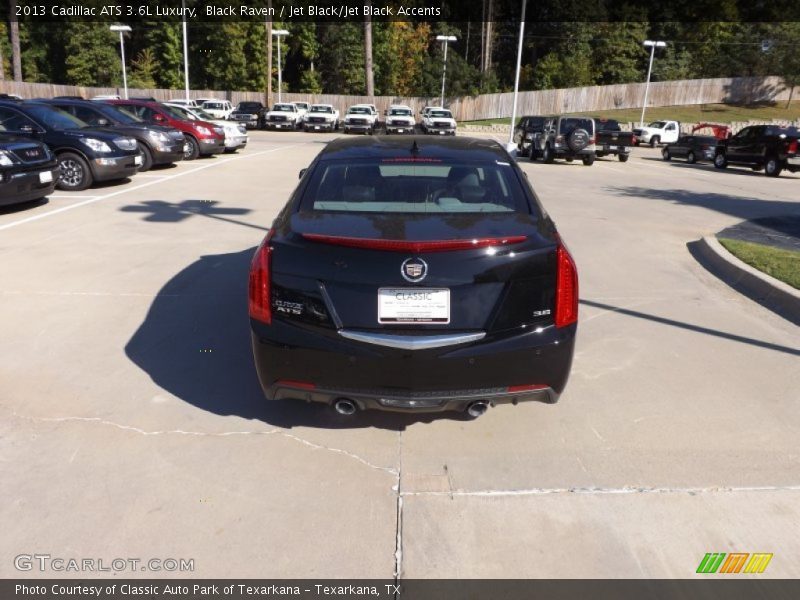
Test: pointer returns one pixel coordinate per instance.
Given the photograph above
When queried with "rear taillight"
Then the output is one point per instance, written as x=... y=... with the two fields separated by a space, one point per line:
x=526 y=388
x=792 y=148
x=634 y=140
x=566 y=288
x=259 y=301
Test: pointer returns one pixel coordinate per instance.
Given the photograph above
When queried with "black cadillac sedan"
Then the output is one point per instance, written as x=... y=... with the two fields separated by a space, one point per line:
x=413 y=274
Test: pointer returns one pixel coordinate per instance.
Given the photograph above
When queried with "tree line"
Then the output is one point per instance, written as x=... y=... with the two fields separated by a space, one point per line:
x=397 y=58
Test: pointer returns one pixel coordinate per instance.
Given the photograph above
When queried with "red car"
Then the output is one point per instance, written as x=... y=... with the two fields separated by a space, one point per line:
x=202 y=138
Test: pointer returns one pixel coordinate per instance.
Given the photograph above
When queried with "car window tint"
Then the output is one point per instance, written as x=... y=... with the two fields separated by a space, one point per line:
x=86 y=114
x=413 y=187
x=568 y=125
x=11 y=120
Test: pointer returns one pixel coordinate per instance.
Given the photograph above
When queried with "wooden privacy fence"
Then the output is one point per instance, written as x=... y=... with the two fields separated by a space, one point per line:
x=736 y=90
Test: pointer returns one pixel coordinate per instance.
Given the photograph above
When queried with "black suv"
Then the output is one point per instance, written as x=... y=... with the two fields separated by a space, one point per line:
x=251 y=114
x=85 y=154
x=769 y=147
x=28 y=170
x=158 y=145
x=568 y=138
x=526 y=134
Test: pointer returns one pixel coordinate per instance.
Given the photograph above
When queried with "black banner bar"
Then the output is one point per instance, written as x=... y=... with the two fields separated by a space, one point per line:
x=713 y=587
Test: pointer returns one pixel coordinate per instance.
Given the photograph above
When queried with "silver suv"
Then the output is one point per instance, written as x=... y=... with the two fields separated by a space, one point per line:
x=568 y=138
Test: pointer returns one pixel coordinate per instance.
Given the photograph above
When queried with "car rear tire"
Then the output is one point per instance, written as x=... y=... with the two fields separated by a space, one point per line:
x=75 y=172
x=147 y=158
x=665 y=154
x=654 y=141
x=533 y=154
x=588 y=160
x=193 y=150
x=691 y=158
x=773 y=167
x=547 y=154
x=624 y=157
x=720 y=161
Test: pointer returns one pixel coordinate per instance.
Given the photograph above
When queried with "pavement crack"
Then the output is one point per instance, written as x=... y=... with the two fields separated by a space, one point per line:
x=609 y=491
x=398 y=547
x=264 y=432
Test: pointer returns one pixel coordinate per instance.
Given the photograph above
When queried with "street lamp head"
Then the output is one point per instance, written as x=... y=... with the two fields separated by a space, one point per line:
x=280 y=32
x=125 y=28
x=657 y=44
x=446 y=38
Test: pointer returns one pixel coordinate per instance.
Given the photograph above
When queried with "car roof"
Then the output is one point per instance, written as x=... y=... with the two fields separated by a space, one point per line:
x=427 y=147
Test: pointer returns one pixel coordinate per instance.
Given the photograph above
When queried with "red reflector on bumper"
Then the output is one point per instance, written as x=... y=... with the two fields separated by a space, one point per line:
x=526 y=388
x=412 y=246
x=302 y=385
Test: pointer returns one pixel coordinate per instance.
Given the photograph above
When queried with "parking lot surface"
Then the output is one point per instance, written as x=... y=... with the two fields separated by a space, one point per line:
x=132 y=423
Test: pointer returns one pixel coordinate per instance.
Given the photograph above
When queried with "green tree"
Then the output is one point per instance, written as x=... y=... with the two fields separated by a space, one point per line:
x=617 y=55
x=143 y=69
x=166 y=42
x=92 y=58
x=342 y=58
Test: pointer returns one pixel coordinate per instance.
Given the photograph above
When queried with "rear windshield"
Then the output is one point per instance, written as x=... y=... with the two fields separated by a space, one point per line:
x=607 y=125
x=414 y=186
x=568 y=125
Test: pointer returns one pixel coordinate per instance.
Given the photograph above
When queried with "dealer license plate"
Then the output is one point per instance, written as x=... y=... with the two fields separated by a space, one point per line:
x=45 y=177
x=414 y=305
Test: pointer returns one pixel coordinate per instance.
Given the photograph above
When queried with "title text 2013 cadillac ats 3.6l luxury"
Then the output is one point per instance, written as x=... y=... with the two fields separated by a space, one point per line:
x=413 y=274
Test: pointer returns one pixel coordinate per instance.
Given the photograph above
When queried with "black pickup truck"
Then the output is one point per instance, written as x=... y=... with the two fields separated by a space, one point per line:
x=769 y=147
x=610 y=139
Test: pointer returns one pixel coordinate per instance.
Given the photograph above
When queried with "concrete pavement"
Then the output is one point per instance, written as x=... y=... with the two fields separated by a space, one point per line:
x=131 y=423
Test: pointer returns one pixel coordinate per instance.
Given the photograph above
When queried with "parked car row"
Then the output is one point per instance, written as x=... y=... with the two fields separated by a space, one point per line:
x=768 y=148
x=71 y=143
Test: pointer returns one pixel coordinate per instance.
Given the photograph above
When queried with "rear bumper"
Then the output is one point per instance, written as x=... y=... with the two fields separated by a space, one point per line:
x=613 y=149
x=297 y=362
x=793 y=164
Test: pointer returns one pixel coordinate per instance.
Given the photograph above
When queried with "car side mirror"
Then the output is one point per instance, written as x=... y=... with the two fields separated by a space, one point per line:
x=302 y=172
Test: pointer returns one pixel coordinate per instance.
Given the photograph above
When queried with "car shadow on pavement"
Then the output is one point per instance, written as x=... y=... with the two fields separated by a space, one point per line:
x=737 y=206
x=195 y=344
x=680 y=163
x=23 y=206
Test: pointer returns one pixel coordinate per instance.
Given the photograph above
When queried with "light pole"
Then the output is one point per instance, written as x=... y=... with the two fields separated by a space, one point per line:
x=652 y=45
x=185 y=52
x=516 y=77
x=123 y=29
x=279 y=33
x=445 y=39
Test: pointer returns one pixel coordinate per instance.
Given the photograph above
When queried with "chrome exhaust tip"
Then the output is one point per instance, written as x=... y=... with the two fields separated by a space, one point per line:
x=476 y=409
x=345 y=407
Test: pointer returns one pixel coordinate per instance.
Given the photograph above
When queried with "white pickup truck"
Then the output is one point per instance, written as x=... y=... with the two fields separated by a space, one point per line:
x=438 y=121
x=360 y=118
x=284 y=116
x=321 y=117
x=399 y=119
x=658 y=132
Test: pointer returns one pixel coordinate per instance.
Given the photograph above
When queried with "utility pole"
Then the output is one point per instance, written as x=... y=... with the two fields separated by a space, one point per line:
x=370 y=75
x=268 y=91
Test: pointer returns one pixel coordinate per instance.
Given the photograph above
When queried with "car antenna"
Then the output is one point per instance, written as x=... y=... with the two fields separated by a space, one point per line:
x=414 y=148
